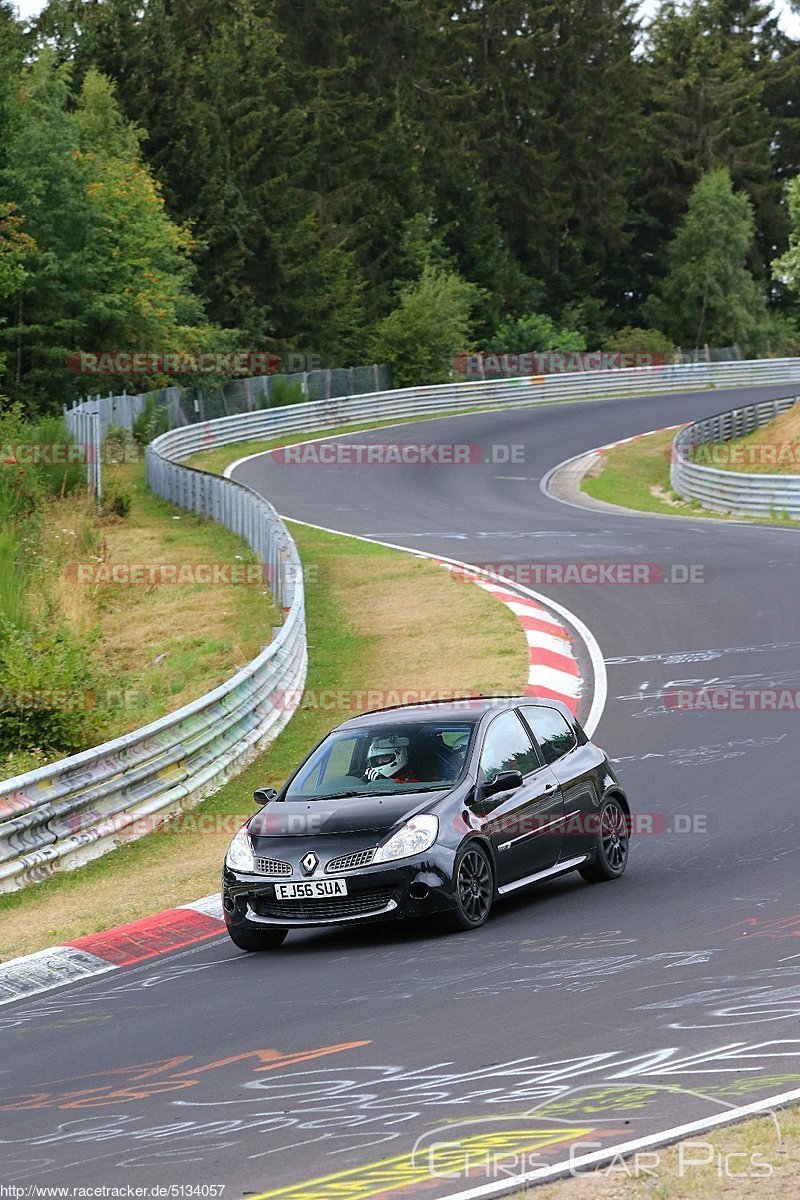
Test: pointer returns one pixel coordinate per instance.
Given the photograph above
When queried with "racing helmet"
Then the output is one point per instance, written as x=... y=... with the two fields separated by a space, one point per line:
x=386 y=756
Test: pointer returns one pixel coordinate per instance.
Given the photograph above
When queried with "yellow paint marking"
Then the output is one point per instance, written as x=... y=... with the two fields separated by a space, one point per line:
x=490 y=1154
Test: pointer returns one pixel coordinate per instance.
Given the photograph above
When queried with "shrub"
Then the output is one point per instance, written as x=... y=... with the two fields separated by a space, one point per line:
x=532 y=334
x=282 y=392
x=633 y=339
x=431 y=325
x=48 y=692
x=116 y=504
x=150 y=423
x=120 y=445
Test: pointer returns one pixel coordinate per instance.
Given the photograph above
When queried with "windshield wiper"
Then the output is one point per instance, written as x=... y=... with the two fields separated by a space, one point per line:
x=334 y=796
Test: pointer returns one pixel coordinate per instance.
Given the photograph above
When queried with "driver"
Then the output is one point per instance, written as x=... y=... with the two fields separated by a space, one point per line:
x=387 y=758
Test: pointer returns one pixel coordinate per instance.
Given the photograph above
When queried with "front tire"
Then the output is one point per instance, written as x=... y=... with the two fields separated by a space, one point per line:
x=613 y=842
x=474 y=887
x=255 y=940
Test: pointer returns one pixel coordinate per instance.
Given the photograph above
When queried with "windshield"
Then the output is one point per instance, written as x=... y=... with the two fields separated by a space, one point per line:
x=385 y=760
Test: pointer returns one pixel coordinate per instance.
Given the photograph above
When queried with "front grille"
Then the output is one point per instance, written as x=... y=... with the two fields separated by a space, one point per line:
x=323 y=910
x=273 y=866
x=349 y=862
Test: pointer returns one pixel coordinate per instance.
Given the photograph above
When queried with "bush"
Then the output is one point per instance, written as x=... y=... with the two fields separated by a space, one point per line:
x=533 y=333
x=282 y=392
x=635 y=340
x=117 y=504
x=48 y=693
x=150 y=423
x=120 y=445
x=431 y=325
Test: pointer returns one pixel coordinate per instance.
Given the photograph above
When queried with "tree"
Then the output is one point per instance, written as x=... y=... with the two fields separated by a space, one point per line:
x=429 y=326
x=106 y=268
x=787 y=267
x=708 y=295
x=716 y=73
x=142 y=277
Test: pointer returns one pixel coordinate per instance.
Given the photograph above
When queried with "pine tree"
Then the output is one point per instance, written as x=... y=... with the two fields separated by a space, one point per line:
x=708 y=295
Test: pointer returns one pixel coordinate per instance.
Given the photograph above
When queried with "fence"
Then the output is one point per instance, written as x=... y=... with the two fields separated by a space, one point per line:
x=762 y=495
x=75 y=809
x=189 y=405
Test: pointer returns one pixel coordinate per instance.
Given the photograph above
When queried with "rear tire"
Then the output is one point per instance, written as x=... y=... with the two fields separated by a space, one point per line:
x=474 y=888
x=254 y=940
x=613 y=839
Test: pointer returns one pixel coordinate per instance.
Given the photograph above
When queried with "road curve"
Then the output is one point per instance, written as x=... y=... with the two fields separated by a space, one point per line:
x=576 y=1015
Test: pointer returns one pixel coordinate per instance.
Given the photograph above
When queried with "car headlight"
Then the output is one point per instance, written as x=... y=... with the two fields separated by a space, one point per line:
x=416 y=836
x=240 y=852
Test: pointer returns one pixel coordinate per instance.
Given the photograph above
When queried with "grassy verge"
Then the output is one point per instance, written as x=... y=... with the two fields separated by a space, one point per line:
x=378 y=622
x=774 y=449
x=636 y=475
x=759 y=1163
x=148 y=648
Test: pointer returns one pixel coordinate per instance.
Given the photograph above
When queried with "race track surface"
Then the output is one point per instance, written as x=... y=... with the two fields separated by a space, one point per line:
x=577 y=1014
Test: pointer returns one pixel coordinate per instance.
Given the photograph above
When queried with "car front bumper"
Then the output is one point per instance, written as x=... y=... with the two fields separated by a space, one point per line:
x=412 y=887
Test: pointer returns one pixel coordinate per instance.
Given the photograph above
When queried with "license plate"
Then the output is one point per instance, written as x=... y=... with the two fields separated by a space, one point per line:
x=314 y=889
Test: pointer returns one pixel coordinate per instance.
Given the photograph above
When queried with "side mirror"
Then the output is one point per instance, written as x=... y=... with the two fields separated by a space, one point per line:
x=504 y=781
x=262 y=796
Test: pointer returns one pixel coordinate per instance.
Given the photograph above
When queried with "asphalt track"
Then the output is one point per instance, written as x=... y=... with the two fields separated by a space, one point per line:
x=577 y=1014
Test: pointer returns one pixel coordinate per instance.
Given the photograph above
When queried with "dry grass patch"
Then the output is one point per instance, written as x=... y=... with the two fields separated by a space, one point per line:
x=761 y=1164
x=160 y=645
x=774 y=449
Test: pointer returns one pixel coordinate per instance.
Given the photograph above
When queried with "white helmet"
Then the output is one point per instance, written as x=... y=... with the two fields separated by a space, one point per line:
x=385 y=757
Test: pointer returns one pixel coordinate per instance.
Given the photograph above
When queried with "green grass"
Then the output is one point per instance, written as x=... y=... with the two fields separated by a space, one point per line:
x=636 y=475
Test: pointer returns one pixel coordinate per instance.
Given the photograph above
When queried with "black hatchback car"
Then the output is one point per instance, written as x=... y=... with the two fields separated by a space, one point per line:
x=427 y=809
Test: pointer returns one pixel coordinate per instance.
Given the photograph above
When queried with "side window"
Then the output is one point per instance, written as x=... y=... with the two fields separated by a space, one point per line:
x=552 y=732
x=507 y=747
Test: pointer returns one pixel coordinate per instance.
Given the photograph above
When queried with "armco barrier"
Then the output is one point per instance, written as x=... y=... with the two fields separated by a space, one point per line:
x=503 y=393
x=75 y=809
x=761 y=495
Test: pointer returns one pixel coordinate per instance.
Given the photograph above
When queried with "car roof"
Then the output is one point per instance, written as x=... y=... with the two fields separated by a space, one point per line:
x=471 y=708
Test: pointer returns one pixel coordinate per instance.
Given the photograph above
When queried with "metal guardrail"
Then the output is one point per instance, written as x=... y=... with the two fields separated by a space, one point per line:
x=66 y=813
x=73 y=810
x=761 y=495
x=503 y=393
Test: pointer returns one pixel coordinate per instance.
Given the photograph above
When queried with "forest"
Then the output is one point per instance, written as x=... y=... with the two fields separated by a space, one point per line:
x=398 y=182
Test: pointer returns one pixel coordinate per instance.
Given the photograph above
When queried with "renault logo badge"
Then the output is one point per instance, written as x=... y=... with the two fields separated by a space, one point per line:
x=309 y=862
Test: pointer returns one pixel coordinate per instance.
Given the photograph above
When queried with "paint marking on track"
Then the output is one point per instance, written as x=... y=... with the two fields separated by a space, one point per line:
x=445 y=1160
